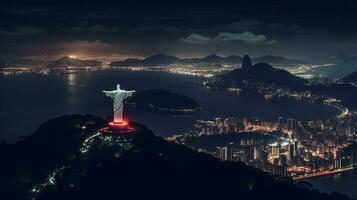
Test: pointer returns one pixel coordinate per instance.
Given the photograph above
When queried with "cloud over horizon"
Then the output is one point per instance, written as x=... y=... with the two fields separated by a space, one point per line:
x=21 y=30
x=196 y=38
x=223 y=37
x=85 y=46
x=323 y=28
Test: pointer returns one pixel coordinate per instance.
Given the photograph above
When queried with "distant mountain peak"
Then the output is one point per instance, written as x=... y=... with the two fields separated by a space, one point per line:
x=160 y=55
x=68 y=61
x=351 y=78
x=212 y=56
x=271 y=56
x=247 y=62
x=160 y=58
x=260 y=72
x=66 y=58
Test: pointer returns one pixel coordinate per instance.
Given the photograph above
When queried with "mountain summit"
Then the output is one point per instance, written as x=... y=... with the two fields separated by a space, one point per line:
x=260 y=72
x=69 y=62
x=247 y=63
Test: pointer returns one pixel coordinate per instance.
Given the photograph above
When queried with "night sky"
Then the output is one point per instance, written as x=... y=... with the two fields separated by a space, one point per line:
x=307 y=29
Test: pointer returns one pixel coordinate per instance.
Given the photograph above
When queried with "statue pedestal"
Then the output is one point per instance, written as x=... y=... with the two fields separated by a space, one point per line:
x=118 y=128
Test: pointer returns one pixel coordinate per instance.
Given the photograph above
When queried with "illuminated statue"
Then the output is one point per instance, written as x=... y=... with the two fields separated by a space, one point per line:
x=118 y=97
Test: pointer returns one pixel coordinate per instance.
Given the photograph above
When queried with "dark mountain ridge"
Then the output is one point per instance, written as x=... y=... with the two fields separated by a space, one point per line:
x=278 y=60
x=351 y=78
x=68 y=62
x=260 y=72
x=263 y=73
x=135 y=166
x=163 y=59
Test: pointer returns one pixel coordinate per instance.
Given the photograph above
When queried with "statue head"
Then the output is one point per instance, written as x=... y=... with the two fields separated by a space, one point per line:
x=118 y=86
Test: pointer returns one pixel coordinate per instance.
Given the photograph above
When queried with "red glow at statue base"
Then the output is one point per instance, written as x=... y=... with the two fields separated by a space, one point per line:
x=120 y=128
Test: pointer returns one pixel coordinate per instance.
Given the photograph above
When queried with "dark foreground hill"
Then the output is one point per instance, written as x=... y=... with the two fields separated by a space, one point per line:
x=59 y=162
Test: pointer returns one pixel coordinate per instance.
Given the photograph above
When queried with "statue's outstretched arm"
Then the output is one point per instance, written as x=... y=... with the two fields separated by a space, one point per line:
x=129 y=93
x=109 y=93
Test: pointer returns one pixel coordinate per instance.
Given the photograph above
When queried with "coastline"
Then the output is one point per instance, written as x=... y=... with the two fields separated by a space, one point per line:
x=183 y=110
x=324 y=173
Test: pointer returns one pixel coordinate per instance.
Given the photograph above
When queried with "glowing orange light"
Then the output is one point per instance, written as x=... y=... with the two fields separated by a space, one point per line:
x=114 y=124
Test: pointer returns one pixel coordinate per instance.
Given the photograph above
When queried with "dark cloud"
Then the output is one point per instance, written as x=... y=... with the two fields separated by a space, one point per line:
x=97 y=28
x=196 y=38
x=294 y=27
x=225 y=37
x=88 y=28
x=299 y=27
x=23 y=10
x=276 y=26
x=242 y=25
x=245 y=36
x=21 y=30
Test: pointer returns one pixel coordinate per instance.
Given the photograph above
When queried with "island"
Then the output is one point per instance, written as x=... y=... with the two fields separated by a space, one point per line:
x=163 y=100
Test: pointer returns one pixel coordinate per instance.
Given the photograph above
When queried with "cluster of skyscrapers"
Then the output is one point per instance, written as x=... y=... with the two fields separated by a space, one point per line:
x=285 y=147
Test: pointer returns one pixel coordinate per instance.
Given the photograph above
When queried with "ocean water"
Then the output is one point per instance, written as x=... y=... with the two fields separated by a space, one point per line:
x=28 y=100
x=344 y=183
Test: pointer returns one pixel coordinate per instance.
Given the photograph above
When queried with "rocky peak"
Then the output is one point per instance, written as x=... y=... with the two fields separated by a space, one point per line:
x=247 y=63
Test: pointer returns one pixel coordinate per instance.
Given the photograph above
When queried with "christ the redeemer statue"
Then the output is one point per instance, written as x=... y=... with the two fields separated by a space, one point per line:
x=118 y=97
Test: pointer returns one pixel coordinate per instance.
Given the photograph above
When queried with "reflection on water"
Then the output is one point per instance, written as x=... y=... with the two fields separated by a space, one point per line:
x=32 y=99
x=71 y=79
x=73 y=86
x=344 y=183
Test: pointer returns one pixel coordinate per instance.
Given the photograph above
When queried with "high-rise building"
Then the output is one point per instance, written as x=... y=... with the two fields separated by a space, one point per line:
x=218 y=122
x=245 y=122
x=275 y=150
x=282 y=160
x=232 y=120
x=296 y=148
x=230 y=151
x=280 y=123
x=258 y=154
x=291 y=124
x=239 y=155
x=291 y=152
x=248 y=153
x=338 y=163
x=278 y=170
x=226 y=122
x=222 y=153
x=240 y=126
